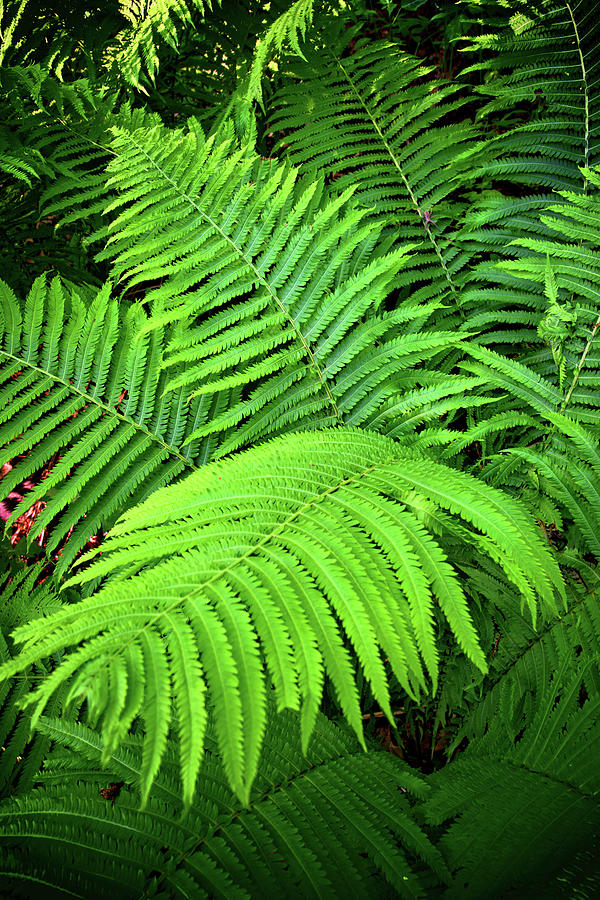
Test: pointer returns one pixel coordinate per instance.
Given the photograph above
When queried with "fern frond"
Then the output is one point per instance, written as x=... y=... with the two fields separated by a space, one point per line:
x=267 y=279
x=251 y=582
x=135 y=51
x=318 y=820
x=522 y=799
x=288 y=29
x=560 y=450
x=543 y=55
x=83 y=412
x=374 y=121
x=9 y=20
x=21 y=754
x=525 y=658
x=569 y=256
x=69 y=126
x=59 y=132
x=23 y=163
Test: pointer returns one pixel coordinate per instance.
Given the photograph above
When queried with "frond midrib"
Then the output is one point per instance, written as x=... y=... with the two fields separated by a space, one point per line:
x=225 y=818
x=547 y=775
x=253 y=803
x=586 y=93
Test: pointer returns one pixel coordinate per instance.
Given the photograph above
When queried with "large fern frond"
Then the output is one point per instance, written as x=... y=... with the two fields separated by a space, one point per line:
x=278 y=287
x=227 y=579
x=542 y=58
x=544 y=55
x=374 y=121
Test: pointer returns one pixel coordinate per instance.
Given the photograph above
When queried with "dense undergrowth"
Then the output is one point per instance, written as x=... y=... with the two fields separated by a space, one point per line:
x=300 y=476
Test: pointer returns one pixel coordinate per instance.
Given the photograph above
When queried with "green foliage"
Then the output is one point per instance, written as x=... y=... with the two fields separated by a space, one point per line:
x=533 y=761
x=22 y=753
x=208 y=572
x=377 y=124
x=287 y=29
x=556 y=393
x=71 y=837
x=543 y=794
x=82 y=390
x=532 y=52
x=150 y=23
x=541 y=58
x=299 y=381
x=271 y=289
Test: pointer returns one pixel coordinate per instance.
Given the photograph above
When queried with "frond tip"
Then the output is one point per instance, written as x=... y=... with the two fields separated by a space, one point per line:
x=240 y=581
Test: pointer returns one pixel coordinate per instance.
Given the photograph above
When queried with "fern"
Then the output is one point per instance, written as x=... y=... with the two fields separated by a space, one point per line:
x=570 y=272
x=540 y=44
x=84 y=415
x=532 y=777
x=135 y=51
x=329 y=525
x=310 y=826
x=541 y=439
x=21 y=754
x=375 y=122
x=9 y=21
x=69 y=126
x=20 y=162
x=299 y=383
x=59 y=131
x=287 y=29
x=542 y=56
x=208 y=74
x=271 y=287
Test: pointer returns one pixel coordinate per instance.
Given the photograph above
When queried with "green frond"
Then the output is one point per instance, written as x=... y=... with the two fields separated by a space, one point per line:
x=526 y=658
x=135 y=51
x=20 y=162
x=521 y=801
x=69 y=126
x=58 y=133
x=9 y=20
x=84 y=415
x=374 y=121
x=323 y=546
x=548 y=61
x=580 y=878
x=314 y=824
x=288 y=29
x=561 y=454
x=21 y=754
x=541 y=58
x=268 y=286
